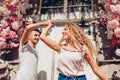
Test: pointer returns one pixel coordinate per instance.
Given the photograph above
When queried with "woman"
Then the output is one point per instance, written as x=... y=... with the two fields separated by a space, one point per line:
x=74 y=46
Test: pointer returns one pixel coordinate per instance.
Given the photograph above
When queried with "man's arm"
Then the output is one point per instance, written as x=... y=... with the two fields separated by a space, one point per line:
x=28 y=29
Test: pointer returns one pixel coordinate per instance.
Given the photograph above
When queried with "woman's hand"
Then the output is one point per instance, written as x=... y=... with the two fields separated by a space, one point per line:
x=50 y=24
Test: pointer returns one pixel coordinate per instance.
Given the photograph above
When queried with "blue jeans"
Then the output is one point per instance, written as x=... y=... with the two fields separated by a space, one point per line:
x=63 y=77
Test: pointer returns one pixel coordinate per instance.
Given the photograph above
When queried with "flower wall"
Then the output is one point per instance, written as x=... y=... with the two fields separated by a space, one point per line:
x=11 y=23
x=107 y=27
x=110 y=20
x=112 y=14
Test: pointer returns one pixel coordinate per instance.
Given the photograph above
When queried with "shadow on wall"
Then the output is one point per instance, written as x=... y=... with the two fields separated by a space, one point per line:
x=115 y=76
x=42 y=75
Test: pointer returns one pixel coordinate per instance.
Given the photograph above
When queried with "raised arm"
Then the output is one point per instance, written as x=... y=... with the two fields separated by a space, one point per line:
x=30 y=27
x=96 y=69
x=52 y=44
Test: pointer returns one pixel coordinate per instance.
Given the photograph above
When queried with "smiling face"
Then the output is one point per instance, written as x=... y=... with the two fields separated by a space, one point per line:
x=34 y=37
x=66 y=34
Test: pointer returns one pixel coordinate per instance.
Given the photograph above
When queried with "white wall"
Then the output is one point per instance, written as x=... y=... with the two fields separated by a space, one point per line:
x=48 y=57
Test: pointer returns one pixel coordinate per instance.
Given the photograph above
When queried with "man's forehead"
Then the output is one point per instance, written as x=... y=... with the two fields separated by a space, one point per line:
x=35 y=32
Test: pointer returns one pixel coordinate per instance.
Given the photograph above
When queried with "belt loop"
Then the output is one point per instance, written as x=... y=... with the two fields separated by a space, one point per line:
x=66 y=77
x=75 y=78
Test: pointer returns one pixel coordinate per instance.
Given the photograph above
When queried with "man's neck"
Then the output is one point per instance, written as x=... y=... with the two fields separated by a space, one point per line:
x=32 y=44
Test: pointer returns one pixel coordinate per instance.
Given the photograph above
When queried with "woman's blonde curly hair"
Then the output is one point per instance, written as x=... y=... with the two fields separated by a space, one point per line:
x=78 y=37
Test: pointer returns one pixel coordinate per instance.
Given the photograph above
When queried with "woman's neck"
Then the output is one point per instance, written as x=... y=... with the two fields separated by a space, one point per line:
x=71 y=44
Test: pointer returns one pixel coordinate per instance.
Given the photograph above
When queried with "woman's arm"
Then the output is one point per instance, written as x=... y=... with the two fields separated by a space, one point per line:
x=96 y=69
x=30 y=27
x=52 y=44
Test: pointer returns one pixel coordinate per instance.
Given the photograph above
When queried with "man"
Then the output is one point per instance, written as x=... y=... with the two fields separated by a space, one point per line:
x=27 y=53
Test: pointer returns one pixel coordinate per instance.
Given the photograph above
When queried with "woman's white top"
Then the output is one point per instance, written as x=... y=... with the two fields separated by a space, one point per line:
x=28 y=63
x=70 y=63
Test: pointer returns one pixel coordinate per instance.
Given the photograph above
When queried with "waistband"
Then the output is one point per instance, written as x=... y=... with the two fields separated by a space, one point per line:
x=71 y=76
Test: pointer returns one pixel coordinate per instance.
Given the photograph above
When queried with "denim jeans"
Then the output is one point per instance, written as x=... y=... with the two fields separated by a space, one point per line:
x=63 y=77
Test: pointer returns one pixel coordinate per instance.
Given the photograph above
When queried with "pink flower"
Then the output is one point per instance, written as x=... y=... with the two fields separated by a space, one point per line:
x=113 y=23
x=109 y=2
x=15 y=2
x=12 y=35
x=4 y=11
x=3 y=44
x=16 y=25
x=12 y=45
x=118 y=8
x=107 y=7
x=5 y=32
x=13 y=18
x=114 y=1
x=12 y=8
x=0 y=29
x=4 y=24
x=113 y=8
x=2 y=39
x=117 y=32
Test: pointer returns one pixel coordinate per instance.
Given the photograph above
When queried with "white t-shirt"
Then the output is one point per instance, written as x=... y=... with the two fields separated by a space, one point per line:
x=28 y=63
